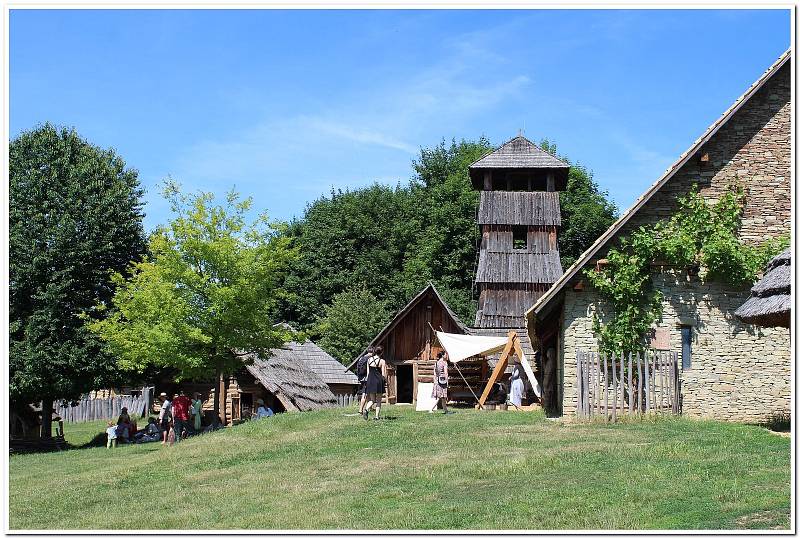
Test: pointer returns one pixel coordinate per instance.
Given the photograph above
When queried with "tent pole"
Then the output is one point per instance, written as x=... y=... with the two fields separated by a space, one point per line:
x=470 y=388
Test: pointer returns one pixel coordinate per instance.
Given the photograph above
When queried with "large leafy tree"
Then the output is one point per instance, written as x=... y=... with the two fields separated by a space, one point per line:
x=350 y=322
x=75 y=215
x=347 y=240
x=201 y=300
x=445 y=241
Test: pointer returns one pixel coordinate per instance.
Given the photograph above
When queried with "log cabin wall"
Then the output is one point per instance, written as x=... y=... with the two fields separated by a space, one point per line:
x=409 y=343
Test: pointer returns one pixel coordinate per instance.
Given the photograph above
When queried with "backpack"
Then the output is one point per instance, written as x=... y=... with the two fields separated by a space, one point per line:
x=361 y=368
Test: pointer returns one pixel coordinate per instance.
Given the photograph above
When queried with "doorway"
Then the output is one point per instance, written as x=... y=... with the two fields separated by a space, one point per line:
x=405 y=383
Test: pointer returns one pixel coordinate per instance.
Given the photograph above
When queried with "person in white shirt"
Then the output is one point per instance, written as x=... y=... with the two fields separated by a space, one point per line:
x=263 y=411
x=165 y=416
x=111 y=431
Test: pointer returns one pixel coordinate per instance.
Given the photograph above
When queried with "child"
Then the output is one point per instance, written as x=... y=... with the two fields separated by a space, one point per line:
x=112 y=435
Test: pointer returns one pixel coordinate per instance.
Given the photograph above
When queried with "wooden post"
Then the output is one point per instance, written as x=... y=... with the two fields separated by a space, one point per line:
x=648 y=388
x=580 y=389
x=586 y=395
x=630 y=383
x=605 y=385
x=659 y=359
x=616 y=385
x=223 y=401
x=639 y=382
x=499 y=368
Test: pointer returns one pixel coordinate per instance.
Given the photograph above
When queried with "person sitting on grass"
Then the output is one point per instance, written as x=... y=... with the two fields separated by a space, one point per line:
x=263 y=411
x=111 y=431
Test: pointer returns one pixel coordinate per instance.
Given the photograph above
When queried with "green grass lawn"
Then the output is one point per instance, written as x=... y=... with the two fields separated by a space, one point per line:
x=480 y=470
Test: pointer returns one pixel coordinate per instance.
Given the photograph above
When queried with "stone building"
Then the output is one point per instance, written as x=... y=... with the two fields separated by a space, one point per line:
x=730 y=369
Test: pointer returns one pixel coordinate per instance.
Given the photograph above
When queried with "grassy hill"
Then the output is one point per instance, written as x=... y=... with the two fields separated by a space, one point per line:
x=489 y=470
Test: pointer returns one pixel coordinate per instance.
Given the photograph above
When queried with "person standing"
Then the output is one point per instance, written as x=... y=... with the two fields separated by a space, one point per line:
x=180 y=415
x=197 y=412
x=375 y=385
x=441 y=379
x=517 y=385
x=165 y=416
x=111 y=432
x=361 y=371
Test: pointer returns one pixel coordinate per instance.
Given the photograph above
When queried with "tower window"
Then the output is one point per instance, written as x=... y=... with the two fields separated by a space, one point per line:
x=520 y=234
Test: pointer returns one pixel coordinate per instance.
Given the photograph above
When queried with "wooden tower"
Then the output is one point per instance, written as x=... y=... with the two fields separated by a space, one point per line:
x=519 y=217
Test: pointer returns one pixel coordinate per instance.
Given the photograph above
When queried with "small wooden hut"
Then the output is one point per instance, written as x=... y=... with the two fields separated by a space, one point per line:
x=770 y=301
x=410 y=348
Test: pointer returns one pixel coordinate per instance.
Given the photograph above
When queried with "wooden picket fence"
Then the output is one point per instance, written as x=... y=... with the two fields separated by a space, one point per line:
x=611 y=386
x=89 y=409
x=347 y=400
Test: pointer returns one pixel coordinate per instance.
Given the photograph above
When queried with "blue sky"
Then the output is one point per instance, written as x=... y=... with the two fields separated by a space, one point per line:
x=287 y=104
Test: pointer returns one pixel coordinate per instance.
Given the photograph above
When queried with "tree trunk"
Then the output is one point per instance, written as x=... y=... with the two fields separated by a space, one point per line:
x=47 y=419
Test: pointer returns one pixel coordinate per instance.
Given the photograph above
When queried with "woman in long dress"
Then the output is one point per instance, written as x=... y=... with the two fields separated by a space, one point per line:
x=517 y=385
x=441 y=379
x=375 y=385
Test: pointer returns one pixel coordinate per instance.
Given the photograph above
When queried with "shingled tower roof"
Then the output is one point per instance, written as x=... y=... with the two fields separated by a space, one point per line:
x=517 y=153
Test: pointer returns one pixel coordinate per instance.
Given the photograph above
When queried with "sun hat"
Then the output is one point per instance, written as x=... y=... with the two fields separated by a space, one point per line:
x=260 y=401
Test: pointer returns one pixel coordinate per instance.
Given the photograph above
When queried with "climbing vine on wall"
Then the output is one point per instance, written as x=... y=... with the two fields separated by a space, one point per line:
x=701 y=237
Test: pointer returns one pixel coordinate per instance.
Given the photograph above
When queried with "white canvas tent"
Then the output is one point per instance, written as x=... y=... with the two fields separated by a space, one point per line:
x=460 y=347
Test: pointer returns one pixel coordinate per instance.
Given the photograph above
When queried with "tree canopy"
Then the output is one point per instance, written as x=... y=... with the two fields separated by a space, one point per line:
x=75 y=215
x=389 y=242
x=203 y=298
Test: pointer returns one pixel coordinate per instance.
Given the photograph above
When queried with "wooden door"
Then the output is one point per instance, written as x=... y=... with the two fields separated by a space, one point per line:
x=389 y=374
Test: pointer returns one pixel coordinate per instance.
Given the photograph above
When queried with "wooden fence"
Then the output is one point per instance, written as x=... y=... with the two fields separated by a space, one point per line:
x=347 y=400
x=609 y=386
x=91 y=409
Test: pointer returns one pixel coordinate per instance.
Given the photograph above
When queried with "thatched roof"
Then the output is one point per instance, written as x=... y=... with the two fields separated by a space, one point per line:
x=770 y=301
x=519 y=267
x=318 y=360
x=296 y=386
x=538 y=208
x=548 y=300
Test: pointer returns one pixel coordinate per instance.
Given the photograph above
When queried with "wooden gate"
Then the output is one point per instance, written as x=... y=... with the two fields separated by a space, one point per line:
x=609 y=386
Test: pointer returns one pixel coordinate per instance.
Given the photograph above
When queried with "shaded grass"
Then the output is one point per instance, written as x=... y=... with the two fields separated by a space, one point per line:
x=470 y=470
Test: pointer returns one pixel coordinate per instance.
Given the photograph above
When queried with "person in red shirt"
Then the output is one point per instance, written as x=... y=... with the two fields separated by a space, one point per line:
x=180 y=414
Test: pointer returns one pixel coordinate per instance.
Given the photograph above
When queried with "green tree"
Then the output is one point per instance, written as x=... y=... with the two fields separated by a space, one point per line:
x=75 y=215
x=586 y=211
x=350 y=239
x=350 y=322
x=445 y=238
x=202 y=299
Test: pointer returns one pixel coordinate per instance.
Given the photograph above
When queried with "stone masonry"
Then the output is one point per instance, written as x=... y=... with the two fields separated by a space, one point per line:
x=739 y=371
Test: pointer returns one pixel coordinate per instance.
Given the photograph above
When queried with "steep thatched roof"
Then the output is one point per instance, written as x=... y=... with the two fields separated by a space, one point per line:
x=296 y=386
x=770 y=300
x=318 y=360
x=538 y=208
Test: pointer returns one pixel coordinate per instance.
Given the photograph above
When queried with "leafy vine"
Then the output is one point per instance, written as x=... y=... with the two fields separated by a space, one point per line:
x=699 y=236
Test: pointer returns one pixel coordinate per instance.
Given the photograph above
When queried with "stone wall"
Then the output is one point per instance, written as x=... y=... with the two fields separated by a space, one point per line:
x=738 y=371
